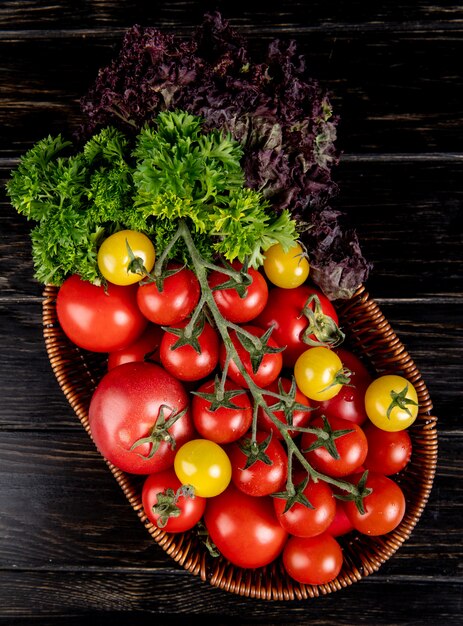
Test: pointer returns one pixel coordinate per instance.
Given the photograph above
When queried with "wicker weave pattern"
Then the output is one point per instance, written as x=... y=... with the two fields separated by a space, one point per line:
x=371 y=336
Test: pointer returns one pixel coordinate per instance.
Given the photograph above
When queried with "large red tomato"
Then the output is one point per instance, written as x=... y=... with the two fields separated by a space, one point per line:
x=129 y=412
x=99 y=319
x=244 y=528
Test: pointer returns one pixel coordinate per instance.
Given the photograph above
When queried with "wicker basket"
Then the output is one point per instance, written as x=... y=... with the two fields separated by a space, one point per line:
x=370 y=335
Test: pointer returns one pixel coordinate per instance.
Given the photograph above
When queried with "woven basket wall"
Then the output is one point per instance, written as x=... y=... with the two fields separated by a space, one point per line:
x=369 y=335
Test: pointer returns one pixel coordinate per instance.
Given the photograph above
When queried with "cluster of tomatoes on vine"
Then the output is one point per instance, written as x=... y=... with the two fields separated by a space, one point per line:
x=227 y=388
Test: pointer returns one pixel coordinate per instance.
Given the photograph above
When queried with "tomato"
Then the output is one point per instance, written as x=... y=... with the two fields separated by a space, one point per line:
x=301 y=519
x=341 y=524
x=313 y=560
x=170 y=505
x=286 y=269
x=268 y=471
x=244 y=529
x=232 y=306
x=186 y=362
x=384 y=507
x=145 y=348
x=319 y=373
x=349 y=403
x=388 y=452
x=205 y=465
x=269 y=368
x=391 y=403
x=226 y=423
x=96 y=318
x=291 y=413
x=177 y=300
x=139 y=416
x=352 y=447
x=300 y=317
x=125 y=257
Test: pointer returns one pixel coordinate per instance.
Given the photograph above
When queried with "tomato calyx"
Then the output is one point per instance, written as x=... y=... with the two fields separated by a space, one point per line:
x=326 y=439
x=160 y=431
x=160 y=275
x=189 y=335
x=287 y=402
x=257 y=347
x=255 y=451
x=357 y=496
x=295 y=495
x=220 y=398
x=166 y=503
x=321 y=326
x=239 y=280
x=341 y=377
x=399 y=399
x=136 y=264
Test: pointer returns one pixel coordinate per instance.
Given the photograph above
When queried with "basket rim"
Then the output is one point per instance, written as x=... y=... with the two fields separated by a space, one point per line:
x=382 y=346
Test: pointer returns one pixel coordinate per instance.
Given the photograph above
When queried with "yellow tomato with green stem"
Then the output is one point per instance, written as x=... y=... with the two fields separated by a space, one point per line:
x=320 y=374
x=391 y=403
x=125 y=257
x=204 y=465
x=288 y=269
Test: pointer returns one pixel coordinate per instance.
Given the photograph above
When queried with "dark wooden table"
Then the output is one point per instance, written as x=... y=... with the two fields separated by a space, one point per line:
x=71 y=549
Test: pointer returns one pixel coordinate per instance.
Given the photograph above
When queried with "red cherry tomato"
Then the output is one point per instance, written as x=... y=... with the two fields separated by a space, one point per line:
x=177 y=300
x=296 y=417
x=269 y=368
x=223 y=424
x=127 y=416
x=145 y=348
x=169 y=505
x=267 y=474
x=232 y=306
x=99 y=319
x=185 y=362
x=244 y=528
x=313 y=560
x=388 y=452
x=352 y=448
x=384 y=507
x=284 y=310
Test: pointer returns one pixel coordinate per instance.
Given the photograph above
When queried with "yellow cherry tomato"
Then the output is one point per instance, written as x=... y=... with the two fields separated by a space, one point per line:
x=319 y=373
x=205 y=465
x=125 y=257
x=286 y=269
x=391 y=403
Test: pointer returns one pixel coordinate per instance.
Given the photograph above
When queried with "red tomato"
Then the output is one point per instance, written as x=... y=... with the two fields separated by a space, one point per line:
x=349 y=403
x=265 y=476
x=99 y=319
x=341 y=524
x=268 y=370
x=388 y=452
x=169 y=506
x=284 y=310
x=224 y=424
x=178 y=298
x=232 y=306
x=301 y=520
x=129 y=405
x=244 y=529
x=145 y=348
x=185 y=362
x=296 y=417
x=313 y=560
x=384 y=507
x=352 y=448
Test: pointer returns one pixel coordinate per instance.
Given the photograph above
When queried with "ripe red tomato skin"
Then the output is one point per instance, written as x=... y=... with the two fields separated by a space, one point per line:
x=244 y=528
x=349 y=403
x=124 y=408
x=269 y=369
x=184 y=362
x=259 y=479
x=96 y=318
x=352 y=448
x=283 y=309
x=299 y=418
x=313 y=560
x=302 y=521
x=231 y=305
x=192 y=509
x=147 y=344
x=175 y=302
x=341 y=524
x=384 y=507
x=223 y=425
x=388 y=452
